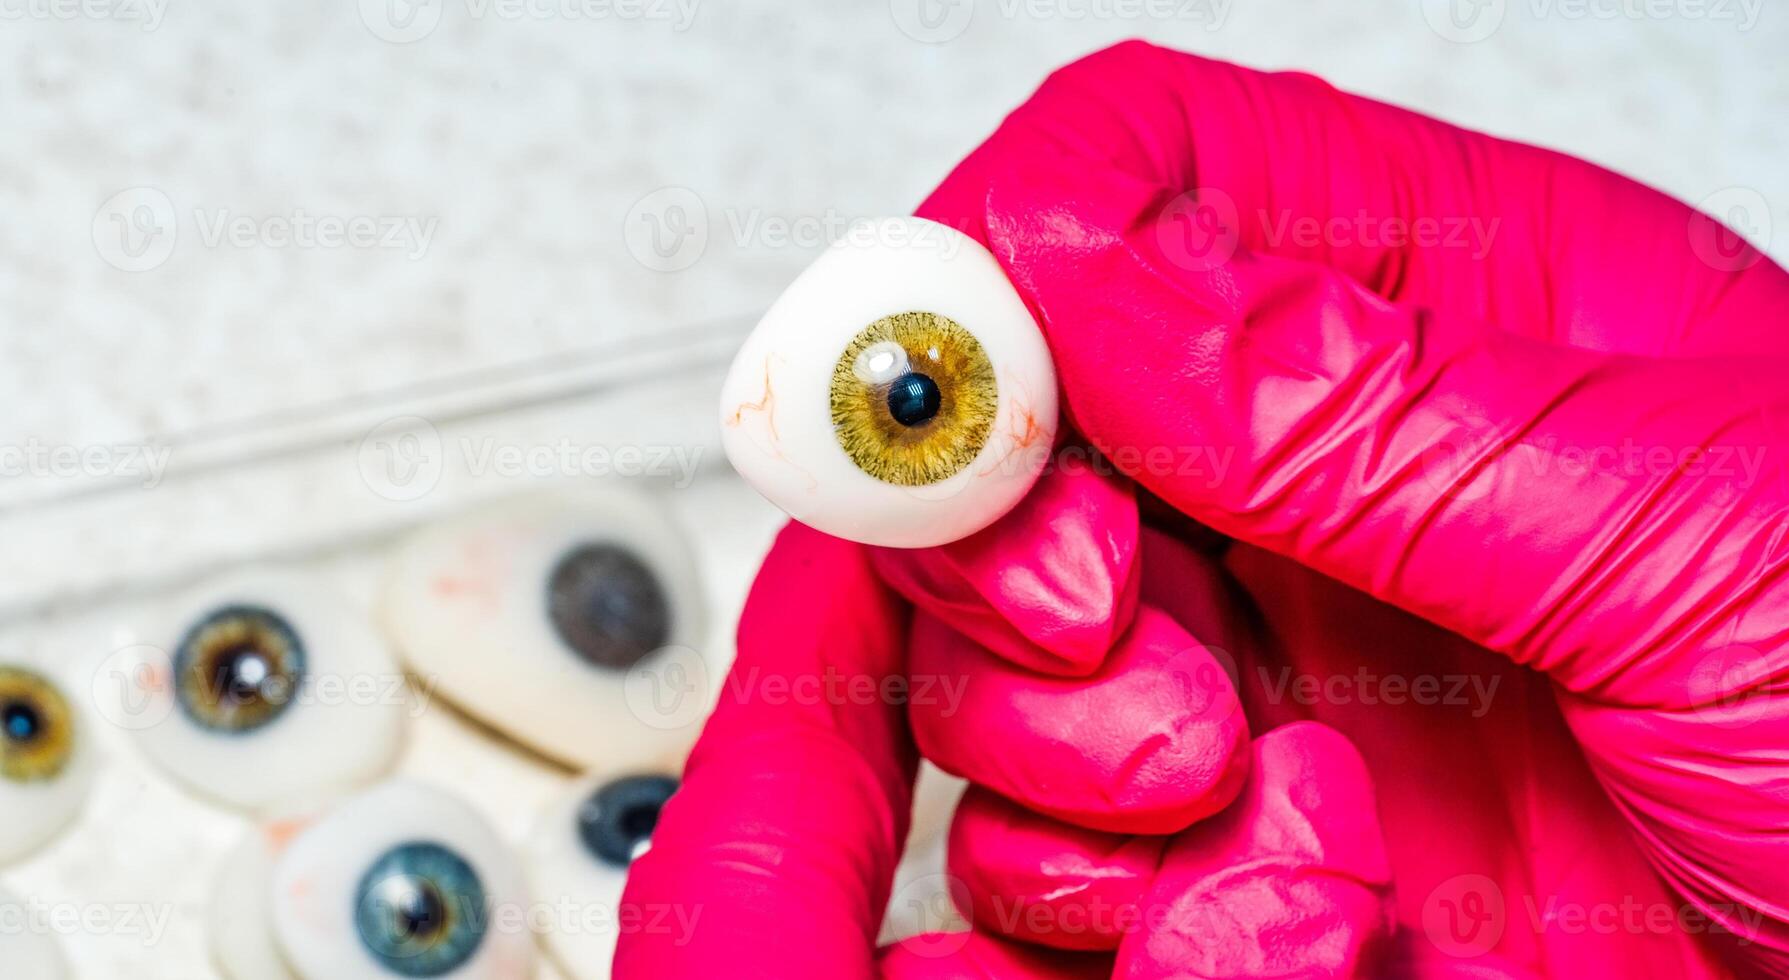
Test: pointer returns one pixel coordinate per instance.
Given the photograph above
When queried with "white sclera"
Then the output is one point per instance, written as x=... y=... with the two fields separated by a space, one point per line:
x=466 y=605
x=776 y=417
x=562 y=870
x=37 y=812
x=342 y=727
x=316 y=877
x=27 y=954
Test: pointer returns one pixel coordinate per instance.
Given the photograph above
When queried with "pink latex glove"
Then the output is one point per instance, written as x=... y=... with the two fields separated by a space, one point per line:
x=1420 y=450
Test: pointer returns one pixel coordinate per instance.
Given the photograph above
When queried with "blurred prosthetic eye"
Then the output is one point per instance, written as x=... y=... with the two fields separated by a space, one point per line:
x=45 y=764
x=532 y=614
x=399 y=881
x=898 y=393
x=266 y=688
x=27 y=954
x=579 y=854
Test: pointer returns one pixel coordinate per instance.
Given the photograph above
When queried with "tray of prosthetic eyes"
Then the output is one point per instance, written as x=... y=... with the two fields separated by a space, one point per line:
x=385 y=687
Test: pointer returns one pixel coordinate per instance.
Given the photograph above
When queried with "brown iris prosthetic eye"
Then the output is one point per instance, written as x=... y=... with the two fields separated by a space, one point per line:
x=898 y=393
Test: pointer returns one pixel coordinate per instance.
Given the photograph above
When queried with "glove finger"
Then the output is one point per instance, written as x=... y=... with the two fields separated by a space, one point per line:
x=977 y=956
x=1149 y=743
x=1418 y=210
x=1291 y=880
x=787 y=827
x=1025 y=876
x=1050 y=586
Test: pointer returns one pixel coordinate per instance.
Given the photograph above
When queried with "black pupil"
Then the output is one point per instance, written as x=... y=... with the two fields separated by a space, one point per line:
x=913 y=399
x=608 y=606
x=419 y=910
x=21 y=721
x=621 y=815
x=240 y=673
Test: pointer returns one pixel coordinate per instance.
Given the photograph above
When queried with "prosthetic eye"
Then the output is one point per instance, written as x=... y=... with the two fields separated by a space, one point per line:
x=898 y=393
x=531 y=614
x=46 y=765
x=401 y=880
x=266 y=688
x=580 y=853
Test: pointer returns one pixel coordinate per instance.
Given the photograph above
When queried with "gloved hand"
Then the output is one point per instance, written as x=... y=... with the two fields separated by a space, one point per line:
x=1520 y=487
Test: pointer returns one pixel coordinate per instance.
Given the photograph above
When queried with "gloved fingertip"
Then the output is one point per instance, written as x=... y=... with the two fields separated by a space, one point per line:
x=1291 y=880
x=1051 y=585
x=1152 y=742
x=1031 y=878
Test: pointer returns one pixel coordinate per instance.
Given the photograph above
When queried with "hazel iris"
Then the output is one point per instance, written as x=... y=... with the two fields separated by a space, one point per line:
x=238 y=668
x=36 y=727
x=913 y=398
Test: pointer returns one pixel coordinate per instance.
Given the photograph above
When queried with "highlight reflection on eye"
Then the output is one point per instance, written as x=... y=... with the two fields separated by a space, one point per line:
x=401 y=880
x=579 y=854
x=265 y=688
x=532 y=612
x=898 y=393
x=45 y=766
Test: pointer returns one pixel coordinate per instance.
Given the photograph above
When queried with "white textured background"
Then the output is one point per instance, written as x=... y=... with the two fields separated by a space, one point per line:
x=537 y=140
